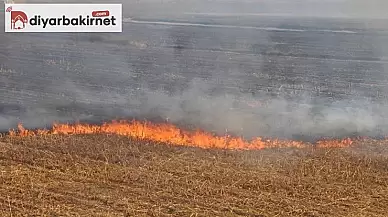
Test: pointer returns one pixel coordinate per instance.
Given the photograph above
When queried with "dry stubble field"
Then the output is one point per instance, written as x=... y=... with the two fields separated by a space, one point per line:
x=107 y=175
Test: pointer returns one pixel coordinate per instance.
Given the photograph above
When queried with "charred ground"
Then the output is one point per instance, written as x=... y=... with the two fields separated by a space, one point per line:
x=281 y=77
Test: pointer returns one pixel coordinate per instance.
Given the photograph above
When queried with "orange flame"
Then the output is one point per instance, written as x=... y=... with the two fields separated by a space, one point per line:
x=168 y=133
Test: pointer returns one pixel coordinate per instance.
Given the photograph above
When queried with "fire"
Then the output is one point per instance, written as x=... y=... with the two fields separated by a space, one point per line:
x=170 y=134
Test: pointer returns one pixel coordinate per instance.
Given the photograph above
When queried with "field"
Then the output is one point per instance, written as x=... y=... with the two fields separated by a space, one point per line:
x=263 y=74
x=108 y=175
x=198 y=73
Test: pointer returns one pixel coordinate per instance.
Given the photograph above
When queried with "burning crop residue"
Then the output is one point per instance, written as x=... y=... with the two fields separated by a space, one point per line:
x=171 y=134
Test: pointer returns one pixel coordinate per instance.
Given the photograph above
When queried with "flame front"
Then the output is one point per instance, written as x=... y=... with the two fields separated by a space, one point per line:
x=168 y=133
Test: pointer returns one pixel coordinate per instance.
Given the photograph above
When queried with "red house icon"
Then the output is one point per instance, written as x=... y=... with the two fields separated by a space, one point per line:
x=18 y=17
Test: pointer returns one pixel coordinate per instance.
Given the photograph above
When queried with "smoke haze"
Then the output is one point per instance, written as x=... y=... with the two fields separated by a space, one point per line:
x=290 y=69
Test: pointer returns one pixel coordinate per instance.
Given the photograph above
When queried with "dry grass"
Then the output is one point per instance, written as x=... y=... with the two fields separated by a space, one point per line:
x=103 y=175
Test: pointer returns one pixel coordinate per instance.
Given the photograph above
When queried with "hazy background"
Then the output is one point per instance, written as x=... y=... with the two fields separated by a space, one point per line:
x=293 y=69
x=304 y=8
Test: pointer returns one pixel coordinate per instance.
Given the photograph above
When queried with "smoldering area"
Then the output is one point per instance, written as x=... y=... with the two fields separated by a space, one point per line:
x=284 y=77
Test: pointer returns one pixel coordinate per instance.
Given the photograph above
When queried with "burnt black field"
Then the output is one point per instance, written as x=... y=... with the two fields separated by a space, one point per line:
x=251 y=76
